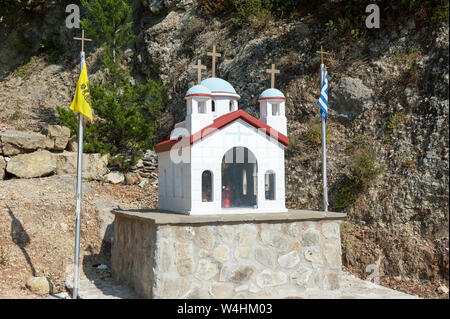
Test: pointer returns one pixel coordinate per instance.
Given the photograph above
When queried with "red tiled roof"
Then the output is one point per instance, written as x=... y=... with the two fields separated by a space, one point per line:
x=222 y=121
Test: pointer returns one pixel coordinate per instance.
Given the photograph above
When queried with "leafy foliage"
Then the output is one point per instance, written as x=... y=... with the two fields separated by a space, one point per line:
x=394 y=121
x=126 y=113
x=313 y=133
x=109 y=25
x=364 y=170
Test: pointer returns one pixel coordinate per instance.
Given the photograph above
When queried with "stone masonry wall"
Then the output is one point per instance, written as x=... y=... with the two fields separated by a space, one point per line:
x=273 y=259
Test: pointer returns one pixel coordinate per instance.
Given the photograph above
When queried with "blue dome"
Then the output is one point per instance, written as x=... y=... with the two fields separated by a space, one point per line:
x=198 y=90
x=218 y=85
x=272 y=94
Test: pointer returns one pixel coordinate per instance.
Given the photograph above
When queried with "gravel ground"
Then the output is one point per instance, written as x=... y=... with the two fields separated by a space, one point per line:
x=37 y=228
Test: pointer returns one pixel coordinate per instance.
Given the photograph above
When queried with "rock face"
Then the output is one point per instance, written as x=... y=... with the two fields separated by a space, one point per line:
x=39 y=285
x=2 y=167
x=94 y=165
x=350 y=97
x=36 y=164
x=179 y=260
x=16 y=142
x=106 y=219
x=60 y=136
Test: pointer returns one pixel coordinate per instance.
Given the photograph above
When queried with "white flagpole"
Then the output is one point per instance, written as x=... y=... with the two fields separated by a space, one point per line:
x=324 y=148
x=79 y=184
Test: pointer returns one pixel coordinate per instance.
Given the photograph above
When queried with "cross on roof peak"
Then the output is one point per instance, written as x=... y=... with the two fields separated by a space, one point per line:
x=322 y=52
x=199 y=68
x=214 y=54
x=272 y=71
x=82 y=40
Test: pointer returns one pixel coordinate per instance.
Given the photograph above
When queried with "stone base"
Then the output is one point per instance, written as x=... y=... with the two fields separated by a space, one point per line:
x=162 y=255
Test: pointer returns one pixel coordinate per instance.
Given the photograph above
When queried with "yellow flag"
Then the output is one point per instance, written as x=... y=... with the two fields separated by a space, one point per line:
x=82 y=100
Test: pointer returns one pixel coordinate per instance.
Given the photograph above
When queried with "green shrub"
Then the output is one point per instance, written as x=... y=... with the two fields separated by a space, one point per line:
x=126 y=114
x=439 y=14
x=364 y=167
x=256 y=12
x=26 y=69
x=126 y=121
x=346 y=196
x=394 y=121
x=52 y=49
x=364 y=170
x=313 y=133
x=294 y=147
x=67 y=118
x=15 y=115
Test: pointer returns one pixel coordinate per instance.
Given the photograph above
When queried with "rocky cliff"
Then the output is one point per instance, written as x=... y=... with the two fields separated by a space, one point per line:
x=388 y=94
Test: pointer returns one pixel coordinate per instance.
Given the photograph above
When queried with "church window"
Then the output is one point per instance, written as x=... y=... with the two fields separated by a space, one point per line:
x=172 y=175
x=213 y=106
x=181 y=182
x=165 y=183
x=231 y=106
x=269 y=187
x=201 y=107
x=207 y=186
x=275 y=109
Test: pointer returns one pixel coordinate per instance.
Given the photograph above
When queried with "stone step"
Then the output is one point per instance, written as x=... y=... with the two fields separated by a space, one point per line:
x=102 y=289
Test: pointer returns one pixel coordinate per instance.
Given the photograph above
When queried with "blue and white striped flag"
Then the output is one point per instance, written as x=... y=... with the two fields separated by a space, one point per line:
x=323 y=99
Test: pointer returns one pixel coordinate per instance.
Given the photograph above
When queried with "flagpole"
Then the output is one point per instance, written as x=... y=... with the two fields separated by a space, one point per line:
x=79 y=181
x=324 y=150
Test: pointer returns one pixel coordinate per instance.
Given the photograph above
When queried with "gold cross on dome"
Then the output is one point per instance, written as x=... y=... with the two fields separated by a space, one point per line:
x=199 y=68
x=272 y=73
x=82 y=40
x=322 y=52
x=214 y=54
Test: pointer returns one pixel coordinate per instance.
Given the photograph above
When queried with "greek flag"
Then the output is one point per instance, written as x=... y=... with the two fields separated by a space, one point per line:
x=323 y=99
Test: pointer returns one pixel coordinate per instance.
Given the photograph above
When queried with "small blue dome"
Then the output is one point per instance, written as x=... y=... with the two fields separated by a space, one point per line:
x=218 y=85
x=272 y=94
x=198 y=90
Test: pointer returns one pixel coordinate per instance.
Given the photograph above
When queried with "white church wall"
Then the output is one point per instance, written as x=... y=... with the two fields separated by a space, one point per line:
x=196 y=120
x=222 y=105
x=278 y=121
x=174 y=189
x=208 y=154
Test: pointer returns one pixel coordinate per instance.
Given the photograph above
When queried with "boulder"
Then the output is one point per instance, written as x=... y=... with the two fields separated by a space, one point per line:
x=350 y=97
x=106 y=218
x=115 y=177
x=16 y=142
x=94 y=165
x=72 y=145
x=60 y=136
x=2 y=167
x=36 y=164
x=132 y=178
x=39 y=285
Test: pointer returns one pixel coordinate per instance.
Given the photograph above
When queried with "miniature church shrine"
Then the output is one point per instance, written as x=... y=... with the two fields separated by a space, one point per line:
x=220 y=159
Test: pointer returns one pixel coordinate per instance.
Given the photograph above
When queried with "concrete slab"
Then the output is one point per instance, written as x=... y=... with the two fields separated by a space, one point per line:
x=351 y=288
x=164 y=217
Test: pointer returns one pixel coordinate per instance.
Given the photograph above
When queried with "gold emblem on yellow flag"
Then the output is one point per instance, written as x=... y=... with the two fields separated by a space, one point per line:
x=82 y=100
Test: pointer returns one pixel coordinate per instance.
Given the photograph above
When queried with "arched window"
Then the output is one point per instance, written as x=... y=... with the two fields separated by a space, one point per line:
x=165 y=183
x=269 y=185
x=231 y=106
x=201 y=107
x=207 y=193
x=239 y=178
x=213 y=106
x=172 y=178
x=275 y=109
x=181 y=183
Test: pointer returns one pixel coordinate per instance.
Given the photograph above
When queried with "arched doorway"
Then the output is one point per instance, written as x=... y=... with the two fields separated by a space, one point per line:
x=239 y=178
